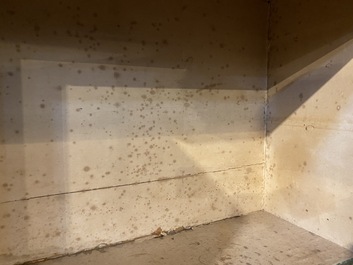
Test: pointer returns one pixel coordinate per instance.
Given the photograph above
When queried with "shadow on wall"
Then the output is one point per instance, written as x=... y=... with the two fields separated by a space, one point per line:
x=110 y=118
x=197 y=36
x=285 y=98
x=302 y=32
x=88 y=44
x=309 y=116
x=303 y=36
x=127 y=141
x=310 y=148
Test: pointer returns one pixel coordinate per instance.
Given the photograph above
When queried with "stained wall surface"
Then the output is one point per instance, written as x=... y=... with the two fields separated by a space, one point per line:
x=309 y=146
x=119 y=117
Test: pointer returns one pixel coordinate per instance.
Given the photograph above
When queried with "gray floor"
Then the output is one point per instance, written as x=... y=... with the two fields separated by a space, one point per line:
x=258 y=238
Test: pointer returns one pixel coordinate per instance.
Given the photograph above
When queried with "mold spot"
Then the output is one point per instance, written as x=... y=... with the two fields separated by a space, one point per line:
x=301 y=96
x=6 y=215
x=86 y=168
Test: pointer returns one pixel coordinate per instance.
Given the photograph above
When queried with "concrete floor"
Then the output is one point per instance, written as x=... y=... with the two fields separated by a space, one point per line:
x=258 y=238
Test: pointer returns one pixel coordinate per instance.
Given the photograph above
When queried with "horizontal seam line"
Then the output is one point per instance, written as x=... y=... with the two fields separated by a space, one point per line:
x=130 y=184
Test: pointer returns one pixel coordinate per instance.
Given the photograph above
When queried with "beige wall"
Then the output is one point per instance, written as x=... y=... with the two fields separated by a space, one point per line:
x=309 y=145
x=118 y=118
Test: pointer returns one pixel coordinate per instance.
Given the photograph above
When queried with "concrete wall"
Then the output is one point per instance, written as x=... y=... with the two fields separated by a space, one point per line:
x=309 y=146
x=119 y=117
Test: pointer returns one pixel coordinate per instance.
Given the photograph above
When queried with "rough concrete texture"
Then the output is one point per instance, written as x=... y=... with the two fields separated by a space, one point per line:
x=309 y=139
x=257 y=239
x=118 y=117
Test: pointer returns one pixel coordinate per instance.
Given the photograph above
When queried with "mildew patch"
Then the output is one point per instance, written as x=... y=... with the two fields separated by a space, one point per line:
x=143 y=107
